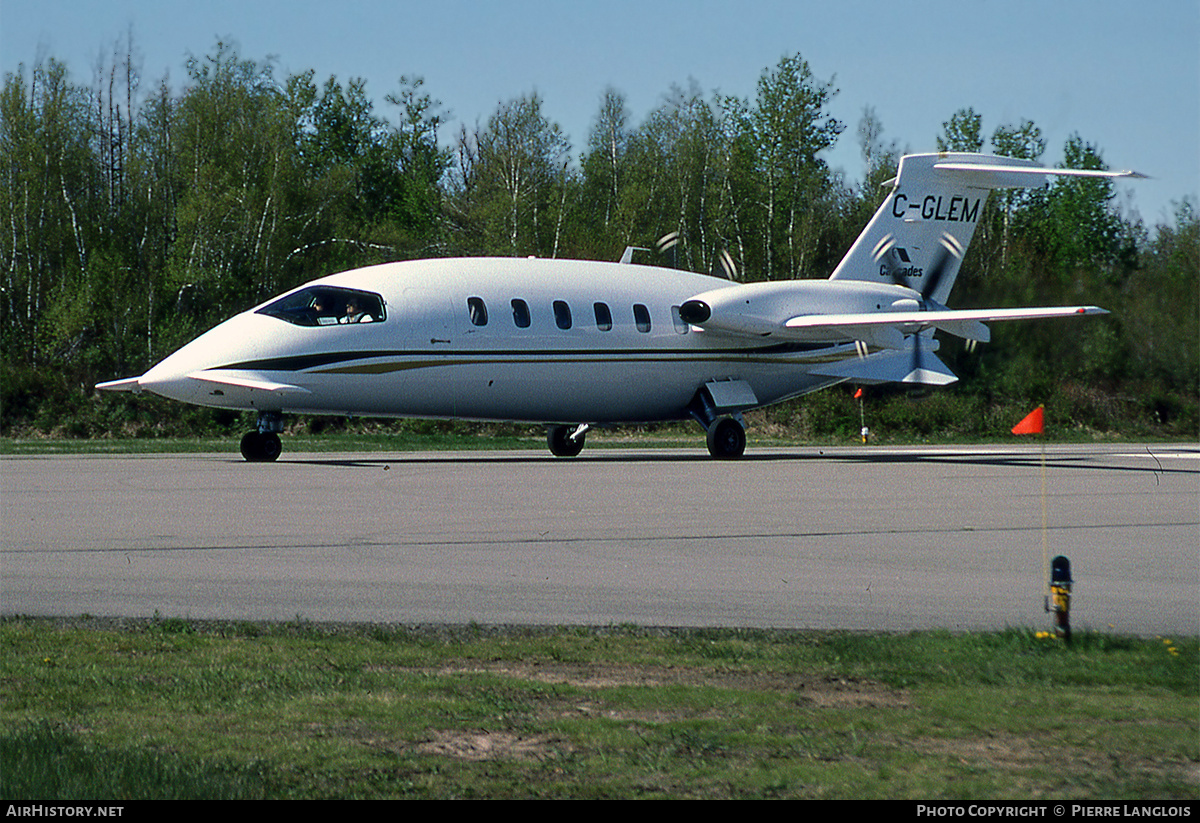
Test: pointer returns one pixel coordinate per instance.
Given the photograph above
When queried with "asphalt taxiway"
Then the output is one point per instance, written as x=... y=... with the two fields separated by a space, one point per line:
x=845 y=538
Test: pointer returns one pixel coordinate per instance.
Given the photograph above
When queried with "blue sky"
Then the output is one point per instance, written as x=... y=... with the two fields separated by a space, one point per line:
x=1124 y=75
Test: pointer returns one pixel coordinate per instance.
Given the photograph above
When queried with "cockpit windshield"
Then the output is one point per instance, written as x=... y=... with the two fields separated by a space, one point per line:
x=327 y=306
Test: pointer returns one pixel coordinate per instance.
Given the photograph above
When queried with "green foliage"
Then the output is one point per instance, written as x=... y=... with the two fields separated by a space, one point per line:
x=513 y=181
x=1070 y=226
x=880 y=159
x=1162 y=319
x=46 y=204
x=788 y=196
x=606 y=170
x=961 y=132
x=1024 y=141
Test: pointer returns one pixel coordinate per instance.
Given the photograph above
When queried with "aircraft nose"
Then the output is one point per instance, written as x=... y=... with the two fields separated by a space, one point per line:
x=231 y=341
x=168 y=379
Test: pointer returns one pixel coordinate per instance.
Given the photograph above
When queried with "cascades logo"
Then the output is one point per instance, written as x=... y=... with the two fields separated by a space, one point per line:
x=901 y=265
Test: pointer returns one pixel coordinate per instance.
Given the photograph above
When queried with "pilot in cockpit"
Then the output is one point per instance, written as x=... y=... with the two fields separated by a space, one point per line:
x=321 y=311
x=355 y=314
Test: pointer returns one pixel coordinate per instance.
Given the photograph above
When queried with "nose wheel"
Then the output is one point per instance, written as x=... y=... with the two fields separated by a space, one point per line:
x=261 y=447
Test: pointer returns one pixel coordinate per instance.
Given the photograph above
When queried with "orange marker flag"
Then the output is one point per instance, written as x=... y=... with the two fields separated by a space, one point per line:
x=858 y=394
x=1032 y=424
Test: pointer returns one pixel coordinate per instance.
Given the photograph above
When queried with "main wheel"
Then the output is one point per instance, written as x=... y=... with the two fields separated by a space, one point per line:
x=560 y=442
x=726 y=439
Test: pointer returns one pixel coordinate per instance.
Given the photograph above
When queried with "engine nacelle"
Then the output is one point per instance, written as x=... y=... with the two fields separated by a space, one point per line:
x=762 y=309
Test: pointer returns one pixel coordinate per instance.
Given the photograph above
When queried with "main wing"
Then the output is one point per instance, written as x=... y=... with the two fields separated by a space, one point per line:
x=965 y=323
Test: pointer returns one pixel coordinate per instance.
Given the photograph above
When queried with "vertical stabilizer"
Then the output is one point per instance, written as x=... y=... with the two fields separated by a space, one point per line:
x=919 y=236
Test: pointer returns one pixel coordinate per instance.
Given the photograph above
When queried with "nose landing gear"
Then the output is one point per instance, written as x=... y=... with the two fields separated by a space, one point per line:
x=262 y=445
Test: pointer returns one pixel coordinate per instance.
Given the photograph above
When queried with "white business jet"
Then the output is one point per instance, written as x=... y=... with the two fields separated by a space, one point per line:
x=574 y=344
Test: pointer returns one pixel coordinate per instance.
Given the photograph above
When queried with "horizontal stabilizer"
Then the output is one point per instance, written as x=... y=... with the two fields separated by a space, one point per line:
x=920 y=233
x=1017 y=171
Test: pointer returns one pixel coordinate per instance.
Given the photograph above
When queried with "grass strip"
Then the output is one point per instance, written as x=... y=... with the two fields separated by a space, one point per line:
x=170 y=707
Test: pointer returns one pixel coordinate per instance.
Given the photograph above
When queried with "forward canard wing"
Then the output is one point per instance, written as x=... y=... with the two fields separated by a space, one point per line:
x=206 y=381
x=237 y=380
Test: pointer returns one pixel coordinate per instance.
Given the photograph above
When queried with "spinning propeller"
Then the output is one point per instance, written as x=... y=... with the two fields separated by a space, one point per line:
x=668 y=250
x=727 y=268
x=666 y=247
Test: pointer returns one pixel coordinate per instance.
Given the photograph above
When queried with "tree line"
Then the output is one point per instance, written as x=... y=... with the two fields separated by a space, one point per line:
x=134 y=216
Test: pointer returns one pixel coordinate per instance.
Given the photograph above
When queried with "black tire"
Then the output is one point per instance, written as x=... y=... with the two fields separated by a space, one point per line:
x=560 y=442
x=726 y=439
x=261 y=447
x=250 y=446
x=269 y=447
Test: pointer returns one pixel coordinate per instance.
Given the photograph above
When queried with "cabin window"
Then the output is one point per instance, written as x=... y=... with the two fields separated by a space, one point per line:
x=603 y=317
x=327 y=306
x=641 y=316
x=680 y=326
x=478 y=311
x=562 y=314
x=520 y=313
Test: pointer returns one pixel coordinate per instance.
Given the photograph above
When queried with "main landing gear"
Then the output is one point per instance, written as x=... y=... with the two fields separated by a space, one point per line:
x=726 y=438
x=565 y=441
x=262 y=445
x=726 y=432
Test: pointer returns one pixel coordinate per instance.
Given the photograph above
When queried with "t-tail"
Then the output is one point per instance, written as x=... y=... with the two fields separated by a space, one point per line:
x=921 y=232
x=888 y=295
